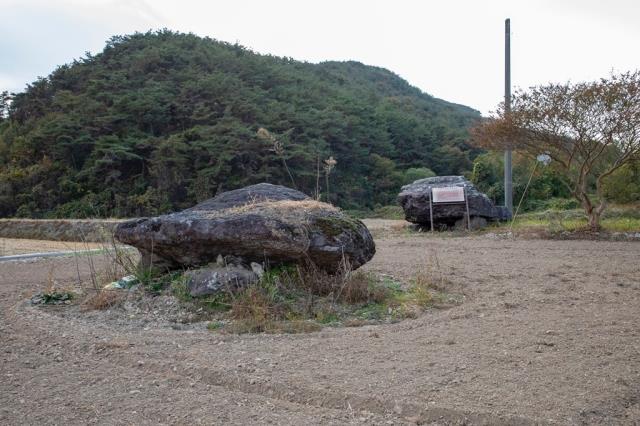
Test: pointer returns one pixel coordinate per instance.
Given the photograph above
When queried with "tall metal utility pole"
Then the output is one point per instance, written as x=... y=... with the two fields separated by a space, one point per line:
x=508 y=178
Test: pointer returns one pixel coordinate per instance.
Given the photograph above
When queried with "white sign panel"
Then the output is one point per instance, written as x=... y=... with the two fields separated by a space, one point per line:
x=448 y=194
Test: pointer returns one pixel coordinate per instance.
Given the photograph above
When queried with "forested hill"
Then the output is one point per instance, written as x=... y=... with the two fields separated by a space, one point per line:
x=158 y=121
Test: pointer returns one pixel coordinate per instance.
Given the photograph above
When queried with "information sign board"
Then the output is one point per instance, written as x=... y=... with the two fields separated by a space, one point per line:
x=448 y=194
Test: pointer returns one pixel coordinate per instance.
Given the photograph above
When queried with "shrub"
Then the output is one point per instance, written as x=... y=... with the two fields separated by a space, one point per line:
x=414 y=173
x=623 y=185
x=77 y=209
x=487 y=175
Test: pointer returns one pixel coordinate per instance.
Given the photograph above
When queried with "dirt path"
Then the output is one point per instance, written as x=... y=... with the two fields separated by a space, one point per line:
x=11 y=246
x=549 y=332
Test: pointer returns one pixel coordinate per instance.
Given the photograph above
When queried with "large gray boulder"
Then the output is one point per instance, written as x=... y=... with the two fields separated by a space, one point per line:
x=227 y=275
x=414 y=199
x=218 y=279
x=264 y=223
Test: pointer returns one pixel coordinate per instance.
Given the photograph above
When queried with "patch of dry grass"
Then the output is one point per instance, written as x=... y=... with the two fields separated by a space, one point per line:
x=298 y=299
x=301 y=299
x=283 y=208
x=346 y=285
x=307 y=205
x=104 y=299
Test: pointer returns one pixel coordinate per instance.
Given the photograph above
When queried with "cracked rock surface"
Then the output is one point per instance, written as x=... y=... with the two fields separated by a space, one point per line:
x=263 y=223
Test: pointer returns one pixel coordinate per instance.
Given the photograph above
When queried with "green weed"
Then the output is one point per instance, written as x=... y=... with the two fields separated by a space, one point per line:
x=56 y=297
x=215 y=325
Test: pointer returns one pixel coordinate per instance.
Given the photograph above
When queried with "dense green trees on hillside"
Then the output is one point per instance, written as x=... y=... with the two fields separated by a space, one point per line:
x=158 y=121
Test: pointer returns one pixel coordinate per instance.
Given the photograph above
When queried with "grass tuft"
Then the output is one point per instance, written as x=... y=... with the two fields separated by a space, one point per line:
x=104 y=299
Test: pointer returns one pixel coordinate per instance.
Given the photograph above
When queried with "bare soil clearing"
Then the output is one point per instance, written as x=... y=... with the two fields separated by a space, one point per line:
x=549 y=332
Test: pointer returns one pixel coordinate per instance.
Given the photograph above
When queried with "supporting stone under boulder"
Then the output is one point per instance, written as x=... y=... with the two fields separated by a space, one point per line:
x=414 y=199
x=263 y=223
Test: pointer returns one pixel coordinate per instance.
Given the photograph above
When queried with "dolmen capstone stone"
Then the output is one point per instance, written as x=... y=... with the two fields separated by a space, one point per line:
x=248 y=228
x=414 y=199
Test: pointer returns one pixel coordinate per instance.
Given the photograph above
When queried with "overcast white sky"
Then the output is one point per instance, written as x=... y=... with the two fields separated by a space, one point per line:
x=450 y=49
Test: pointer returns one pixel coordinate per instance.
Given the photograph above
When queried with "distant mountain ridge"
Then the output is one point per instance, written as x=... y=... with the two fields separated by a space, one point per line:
x=161 y=120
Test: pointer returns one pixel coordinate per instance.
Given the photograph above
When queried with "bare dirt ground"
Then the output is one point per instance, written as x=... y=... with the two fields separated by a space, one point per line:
x=549 y=332
x=11 y=246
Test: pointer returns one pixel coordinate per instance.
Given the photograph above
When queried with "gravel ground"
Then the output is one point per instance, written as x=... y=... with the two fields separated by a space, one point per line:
x=549 y=332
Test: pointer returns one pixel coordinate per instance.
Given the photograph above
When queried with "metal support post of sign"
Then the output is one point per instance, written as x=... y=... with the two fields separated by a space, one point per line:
x=431 y=207
x=466 y=201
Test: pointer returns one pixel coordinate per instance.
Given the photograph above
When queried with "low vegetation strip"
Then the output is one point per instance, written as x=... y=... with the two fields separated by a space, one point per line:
x=58 y=229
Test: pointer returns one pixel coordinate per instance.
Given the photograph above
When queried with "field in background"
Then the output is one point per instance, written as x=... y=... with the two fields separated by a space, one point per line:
x=617 y=218
x=559 y=221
